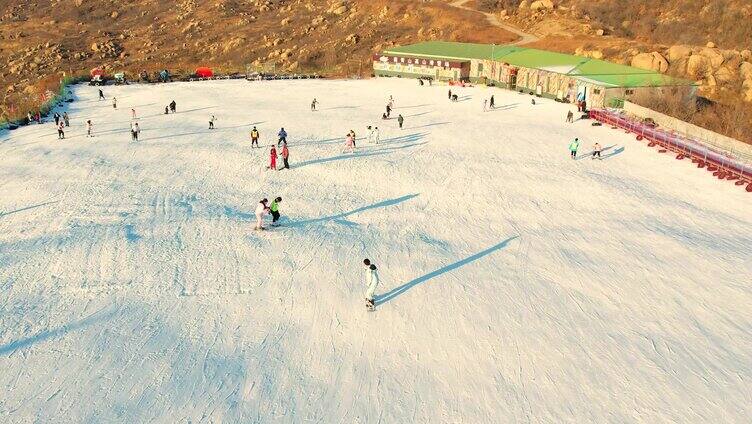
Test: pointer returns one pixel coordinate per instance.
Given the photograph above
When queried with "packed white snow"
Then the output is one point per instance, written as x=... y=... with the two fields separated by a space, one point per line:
x=517 y=284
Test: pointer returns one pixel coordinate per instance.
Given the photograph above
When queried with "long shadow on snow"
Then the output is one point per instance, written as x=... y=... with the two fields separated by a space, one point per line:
x=422 y=279
x=367 y=153
x=94 y=318
x=206 y=131
x=2 y=214
x=340 y=217
x=590 y=153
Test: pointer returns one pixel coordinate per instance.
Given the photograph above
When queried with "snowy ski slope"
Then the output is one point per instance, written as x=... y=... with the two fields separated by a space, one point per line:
x=518 y=285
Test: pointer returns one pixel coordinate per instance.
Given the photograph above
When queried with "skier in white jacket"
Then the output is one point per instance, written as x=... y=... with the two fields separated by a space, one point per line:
x=372 y=284
x=261 y=210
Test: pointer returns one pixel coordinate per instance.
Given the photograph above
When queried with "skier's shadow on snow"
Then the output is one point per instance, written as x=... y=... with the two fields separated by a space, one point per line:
x=504 y=107
x=372 y=151
x=341 y=217
x=386 y=297
x=590 y=153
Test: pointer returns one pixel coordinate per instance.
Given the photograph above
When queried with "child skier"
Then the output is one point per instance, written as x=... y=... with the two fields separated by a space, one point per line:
x=135 y=130
x=88 y=128
x=66 y=119
x=596 y=151
x=133 y=113
x=372 y=284
x=282 y=134
x=285 y=155
x=254 y=137
x=273 y=159
x=313 y=104
x=274 y=209
x=400 y=121
x=166 y=110
x=349 y=143
x=60 y=131
x=211 y=122
x=573 y=146
x=261 y=210
x=114 y=102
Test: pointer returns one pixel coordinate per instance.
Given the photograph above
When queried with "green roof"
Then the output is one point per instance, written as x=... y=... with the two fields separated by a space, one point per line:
x=583 y=68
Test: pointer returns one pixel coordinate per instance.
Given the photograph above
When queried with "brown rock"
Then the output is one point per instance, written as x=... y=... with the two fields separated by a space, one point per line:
x=678 y=52
x=653 y=61
x=698 y=66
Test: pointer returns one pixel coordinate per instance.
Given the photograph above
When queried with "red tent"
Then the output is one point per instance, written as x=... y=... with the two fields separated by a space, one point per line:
x=96 y=71
x=204 y=72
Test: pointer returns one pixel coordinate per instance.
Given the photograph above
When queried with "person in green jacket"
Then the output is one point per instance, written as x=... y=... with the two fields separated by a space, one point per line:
x=274 y=209
x=573 y=146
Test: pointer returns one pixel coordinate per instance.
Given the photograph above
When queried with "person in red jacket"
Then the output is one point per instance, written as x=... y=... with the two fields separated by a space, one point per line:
x=273 y=159
x=285 y=155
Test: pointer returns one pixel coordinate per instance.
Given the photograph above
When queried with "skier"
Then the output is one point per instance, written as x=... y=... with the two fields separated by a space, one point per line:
x=400 y=121
x=133 y=113
x=38 y=117
x=88 y=128
x=573 y=146
x=273 y=159
x=101 y=94
x=261 y=210
x=450 y=94
x=570 y=117
x=372 y=284
x=135 y=130
x=388 y=111
x=173 y=106
x=66 y=119
x=60 y=131
x=492 y=103
x=285 y=155
x=349 y=143
x=313 y=104
x=370 y=133
x=274 y=209
x=114 y=102
x=166 y=110
x=354 y=138
x=57 y=118
x=211 y=122
x=485 y=105
x=376 y=135
x=391 y=102
x=596 y=150
x=282 y=134
x=533 y=102
x=29 y=118
x=254 y=137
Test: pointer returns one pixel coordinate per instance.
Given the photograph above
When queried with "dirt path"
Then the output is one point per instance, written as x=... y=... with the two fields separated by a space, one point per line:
x=525 y=38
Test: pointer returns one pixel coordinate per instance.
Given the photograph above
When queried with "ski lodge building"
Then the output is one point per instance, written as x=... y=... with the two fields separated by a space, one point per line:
x=548 y=74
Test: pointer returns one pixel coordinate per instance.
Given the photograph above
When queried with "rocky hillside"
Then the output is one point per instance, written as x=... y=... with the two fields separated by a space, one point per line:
x=40 y=40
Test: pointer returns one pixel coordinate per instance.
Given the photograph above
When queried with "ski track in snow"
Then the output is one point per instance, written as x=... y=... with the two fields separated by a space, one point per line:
x=518 y=285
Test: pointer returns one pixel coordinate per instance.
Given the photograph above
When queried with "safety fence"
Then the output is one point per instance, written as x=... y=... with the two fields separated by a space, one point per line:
x=730 y=166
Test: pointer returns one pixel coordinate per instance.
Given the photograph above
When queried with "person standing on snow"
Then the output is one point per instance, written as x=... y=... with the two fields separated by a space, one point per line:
x=211 y=122
x=88 y=128
x=273 y=159
x=372 y=284
x=388 y=111
x=573 y=147
x=370 y=133
x=354 y=138
x=101 y=94
x=313 y=105
x=282 y=134
x=135 y=130
x=66 y=119
x=485 y=105
x=376 y=135
x=492 y=103
x=57 y=118
x=570 y=117
x=173 y=106
x=133 y=113
x=261 y=210
x=114 y=102
x=450 y=94
x=254 y=137
x=349 y=143
x=285 y=155
x=274 y=209
x=400 y=121
x=597 y=150
x=60 y=131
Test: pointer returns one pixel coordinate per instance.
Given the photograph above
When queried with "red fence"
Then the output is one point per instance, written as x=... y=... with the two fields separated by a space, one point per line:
x=723 y=165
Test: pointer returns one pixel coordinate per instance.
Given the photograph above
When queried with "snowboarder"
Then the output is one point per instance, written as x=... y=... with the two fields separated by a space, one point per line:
x=273 y=159
x=261 y=210
x=376 y=135
x=596 y=151
x=114 y=102
x=254 y=137
x=88 y=128
x=285 y=155
x=492 y=103
x=570 y=117
x=173 y=106
x=135 y=130
x=66 y=119
x=282 y=134
x=274 y=209
x=211 y=122
x=133 y=113
x=57 y=118
x=313 y=104
x=400 y=121
x=372 y=284
x=60 y=131
x=101 y=94
x=573 y=146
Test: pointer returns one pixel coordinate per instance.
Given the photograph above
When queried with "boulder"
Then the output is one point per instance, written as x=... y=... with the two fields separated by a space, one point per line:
x=710 y=45
x=542 y=5
x=653 y=61
x=698 y=66
x=524 y=4
x=678 y=52
x=745 y=70
x=724 y=75
x=746 y=55
x=715 y=57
